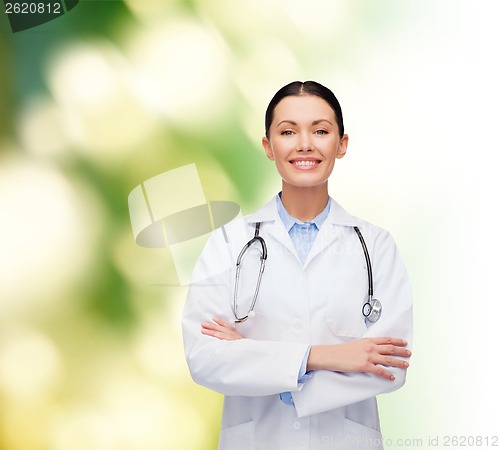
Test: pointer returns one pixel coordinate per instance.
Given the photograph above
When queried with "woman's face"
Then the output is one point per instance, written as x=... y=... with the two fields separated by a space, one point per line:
x=304 y=140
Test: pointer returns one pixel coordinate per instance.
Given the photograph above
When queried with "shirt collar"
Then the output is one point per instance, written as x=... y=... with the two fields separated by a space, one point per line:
x=337 y=216
x=290 y=221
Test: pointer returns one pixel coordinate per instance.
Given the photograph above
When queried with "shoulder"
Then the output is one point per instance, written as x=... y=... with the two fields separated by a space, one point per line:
x=378 y=239
x=239 y=229
x=340 y=216
x=241 y=226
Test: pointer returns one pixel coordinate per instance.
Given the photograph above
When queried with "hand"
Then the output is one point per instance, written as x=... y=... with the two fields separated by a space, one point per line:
x=363 y=355
x=220 y=330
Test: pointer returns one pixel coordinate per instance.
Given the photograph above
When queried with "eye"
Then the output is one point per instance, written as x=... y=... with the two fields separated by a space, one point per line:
x=321 y=132
x=286 y=132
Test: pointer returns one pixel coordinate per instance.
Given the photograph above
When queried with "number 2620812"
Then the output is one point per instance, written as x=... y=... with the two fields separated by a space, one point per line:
x=33 y=8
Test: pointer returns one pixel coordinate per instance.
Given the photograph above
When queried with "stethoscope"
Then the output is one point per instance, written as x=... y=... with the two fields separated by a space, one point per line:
x=372 y=308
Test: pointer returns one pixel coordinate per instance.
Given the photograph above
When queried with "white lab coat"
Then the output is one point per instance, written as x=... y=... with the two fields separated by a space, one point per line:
x=299 y=305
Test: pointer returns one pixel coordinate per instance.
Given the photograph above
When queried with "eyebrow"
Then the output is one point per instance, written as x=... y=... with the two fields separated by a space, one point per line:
x=315 y=122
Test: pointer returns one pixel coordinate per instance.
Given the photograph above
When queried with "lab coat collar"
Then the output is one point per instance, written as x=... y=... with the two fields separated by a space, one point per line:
x=339 y=216
x=326 y=235
x=269 y=214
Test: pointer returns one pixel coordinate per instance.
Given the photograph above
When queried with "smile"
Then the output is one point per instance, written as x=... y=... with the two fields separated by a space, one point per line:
x=305 y=163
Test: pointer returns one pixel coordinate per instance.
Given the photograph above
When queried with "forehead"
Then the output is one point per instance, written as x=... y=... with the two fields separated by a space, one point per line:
x=303 y=108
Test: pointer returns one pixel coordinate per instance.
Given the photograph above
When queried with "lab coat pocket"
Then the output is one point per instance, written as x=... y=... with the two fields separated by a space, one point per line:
x=360 y=437
x=346 y=325
x=241 y=437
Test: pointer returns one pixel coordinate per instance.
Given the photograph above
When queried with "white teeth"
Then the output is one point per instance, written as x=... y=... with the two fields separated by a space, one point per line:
x=305 y=163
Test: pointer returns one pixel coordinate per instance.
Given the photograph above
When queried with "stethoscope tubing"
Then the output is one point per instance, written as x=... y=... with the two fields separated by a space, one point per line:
x=368 y=262
x=263 y=258
x=372 y=308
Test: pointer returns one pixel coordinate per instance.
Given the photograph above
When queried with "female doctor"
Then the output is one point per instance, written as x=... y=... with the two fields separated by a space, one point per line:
x=298 y=354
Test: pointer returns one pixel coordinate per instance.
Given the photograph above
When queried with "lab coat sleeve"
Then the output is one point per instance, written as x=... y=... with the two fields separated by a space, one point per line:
x=242 y=367
x=329 y=390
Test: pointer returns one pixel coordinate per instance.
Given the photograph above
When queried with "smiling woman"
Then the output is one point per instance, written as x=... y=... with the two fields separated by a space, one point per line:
x=304 y=137
x=303 y=367
x=304 y=143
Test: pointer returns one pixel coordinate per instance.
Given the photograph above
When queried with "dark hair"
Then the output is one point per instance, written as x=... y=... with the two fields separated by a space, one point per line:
x=305 y=88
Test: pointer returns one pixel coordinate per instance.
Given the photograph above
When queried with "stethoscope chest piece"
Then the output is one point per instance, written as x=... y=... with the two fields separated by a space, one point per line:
x=372 y=310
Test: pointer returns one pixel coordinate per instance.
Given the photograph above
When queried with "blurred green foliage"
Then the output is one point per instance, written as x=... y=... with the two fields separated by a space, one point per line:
x=90 y=346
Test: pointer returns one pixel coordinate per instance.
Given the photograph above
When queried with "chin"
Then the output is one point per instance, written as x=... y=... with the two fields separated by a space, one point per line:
x=305 y=184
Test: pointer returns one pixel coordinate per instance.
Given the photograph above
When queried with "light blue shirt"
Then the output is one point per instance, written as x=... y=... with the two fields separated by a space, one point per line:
x=302 y=235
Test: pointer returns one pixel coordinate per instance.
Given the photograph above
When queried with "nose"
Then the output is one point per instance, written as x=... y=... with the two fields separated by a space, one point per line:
x=305 y=143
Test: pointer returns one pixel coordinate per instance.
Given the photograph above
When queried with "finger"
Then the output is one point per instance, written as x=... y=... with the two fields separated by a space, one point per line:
x=389 y=361
x=210 y=326
x=222 y=323
x=207 y=332
x=221 y=335
x=380 y=371
x=393 y=350
x=390 y=341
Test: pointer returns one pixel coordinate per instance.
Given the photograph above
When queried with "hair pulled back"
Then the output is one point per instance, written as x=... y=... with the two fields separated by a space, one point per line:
x=298 y=88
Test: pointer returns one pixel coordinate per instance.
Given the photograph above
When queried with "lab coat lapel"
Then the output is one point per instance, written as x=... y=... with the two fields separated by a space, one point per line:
x=331 y=230
x=273 y=226
x=278 y=233
x=327 y=236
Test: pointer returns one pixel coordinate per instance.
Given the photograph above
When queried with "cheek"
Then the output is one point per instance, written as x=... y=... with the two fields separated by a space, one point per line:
x=283 y=169
x=333 y=150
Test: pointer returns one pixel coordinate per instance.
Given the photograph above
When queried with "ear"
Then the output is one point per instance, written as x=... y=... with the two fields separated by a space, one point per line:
x=267 y=148
x=341 y=151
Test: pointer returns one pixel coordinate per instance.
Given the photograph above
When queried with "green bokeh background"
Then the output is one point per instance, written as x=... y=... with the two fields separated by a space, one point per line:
x=116 y=92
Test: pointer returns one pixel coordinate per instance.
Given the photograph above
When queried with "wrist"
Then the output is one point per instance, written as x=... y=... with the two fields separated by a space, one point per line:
x=316 y=359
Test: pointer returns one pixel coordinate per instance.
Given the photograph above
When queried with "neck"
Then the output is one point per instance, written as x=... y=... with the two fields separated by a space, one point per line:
x=304 y=203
